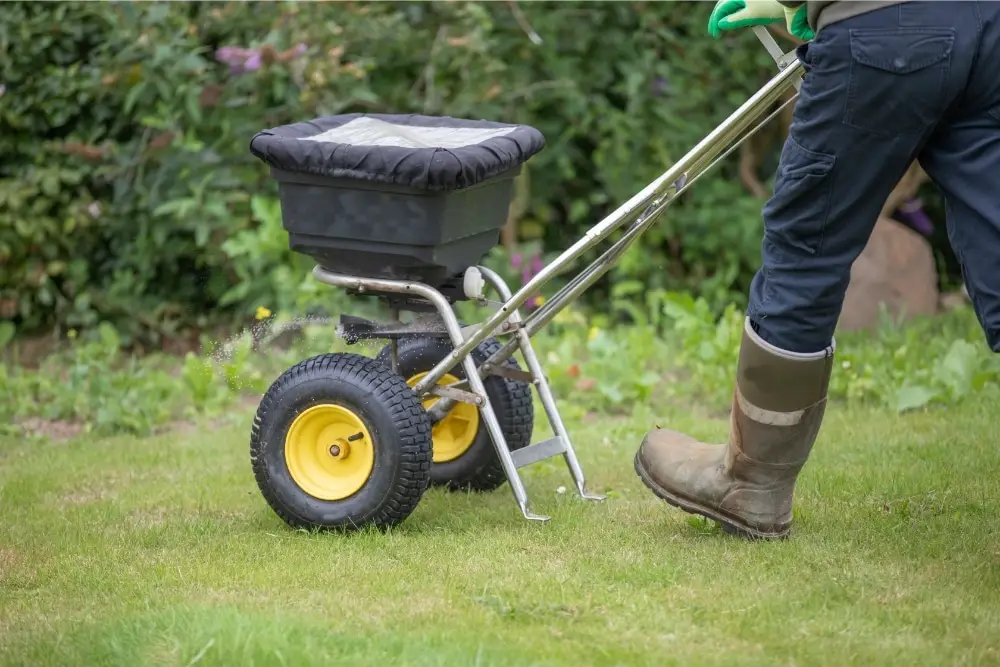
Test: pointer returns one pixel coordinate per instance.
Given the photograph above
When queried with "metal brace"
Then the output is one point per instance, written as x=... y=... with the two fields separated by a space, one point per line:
x=509 y=325
x=506 y=327
x=515 y=374
x=455 y=394
x=781 y=59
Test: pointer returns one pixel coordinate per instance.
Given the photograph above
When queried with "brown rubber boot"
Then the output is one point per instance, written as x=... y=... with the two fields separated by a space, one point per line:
x=747 y=484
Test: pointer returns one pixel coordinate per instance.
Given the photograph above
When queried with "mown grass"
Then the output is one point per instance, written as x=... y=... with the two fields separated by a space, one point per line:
x=161 y=551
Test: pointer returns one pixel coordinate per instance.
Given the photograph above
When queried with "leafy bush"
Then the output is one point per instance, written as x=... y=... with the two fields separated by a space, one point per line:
x=929 y=360
x=128 y=194
x=92 y=385
x=96 y=385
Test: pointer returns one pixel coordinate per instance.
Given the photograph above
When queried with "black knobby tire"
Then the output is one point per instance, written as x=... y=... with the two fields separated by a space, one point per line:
x=479 y=468
x=400 y=430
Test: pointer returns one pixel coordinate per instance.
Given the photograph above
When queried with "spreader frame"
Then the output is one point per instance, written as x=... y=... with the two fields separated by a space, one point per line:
x=639 y=213
x=404 y=464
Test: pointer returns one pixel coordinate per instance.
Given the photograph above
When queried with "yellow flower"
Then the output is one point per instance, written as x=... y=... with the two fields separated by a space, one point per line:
x=262 y=313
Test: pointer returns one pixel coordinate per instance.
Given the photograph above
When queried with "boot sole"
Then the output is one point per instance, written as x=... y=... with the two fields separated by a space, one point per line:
x=730 y=525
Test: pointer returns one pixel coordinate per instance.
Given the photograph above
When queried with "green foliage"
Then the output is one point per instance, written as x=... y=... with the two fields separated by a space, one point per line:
x=929 y=361
x=708 y=347
x=903 y=367
x=592 y=368
x=680 y=351
x=6 y=333
x=92 y=385
x=590 y=372
x=692 y=358
x=96 y=385
x=128 y=194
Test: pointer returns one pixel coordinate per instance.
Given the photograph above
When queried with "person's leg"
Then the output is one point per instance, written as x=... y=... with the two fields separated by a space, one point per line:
x=875 y=87
x=963 y=160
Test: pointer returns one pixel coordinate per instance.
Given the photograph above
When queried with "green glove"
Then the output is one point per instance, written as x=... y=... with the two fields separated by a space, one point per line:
x=733 y=14
x=797 y=22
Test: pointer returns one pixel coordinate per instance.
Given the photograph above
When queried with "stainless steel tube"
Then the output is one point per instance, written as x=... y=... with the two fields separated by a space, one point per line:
x=544 y=392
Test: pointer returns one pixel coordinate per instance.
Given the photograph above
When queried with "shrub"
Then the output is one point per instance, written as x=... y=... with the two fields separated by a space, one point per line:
x=128 y=194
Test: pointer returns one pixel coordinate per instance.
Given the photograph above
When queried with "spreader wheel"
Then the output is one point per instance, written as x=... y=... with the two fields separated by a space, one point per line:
x=463 y=454
x=340 y=441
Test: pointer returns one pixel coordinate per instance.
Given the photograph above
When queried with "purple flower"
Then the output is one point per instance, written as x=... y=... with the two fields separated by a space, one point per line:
x=528 y=271
x=661 y=86
x=236 y=58
x=912 y=214
x=231 y=55
x=252 y=63
x=240 y=60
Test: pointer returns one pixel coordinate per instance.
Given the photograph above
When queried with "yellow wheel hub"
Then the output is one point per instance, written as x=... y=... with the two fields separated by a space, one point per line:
x=452 y=436
x=329 y=452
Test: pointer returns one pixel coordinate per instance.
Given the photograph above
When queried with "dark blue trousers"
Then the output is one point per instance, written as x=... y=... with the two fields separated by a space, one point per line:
x=918 y=80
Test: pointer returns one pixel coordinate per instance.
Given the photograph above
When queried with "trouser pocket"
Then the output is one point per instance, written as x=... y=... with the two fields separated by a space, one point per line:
x=897 y=79
x=795 y=216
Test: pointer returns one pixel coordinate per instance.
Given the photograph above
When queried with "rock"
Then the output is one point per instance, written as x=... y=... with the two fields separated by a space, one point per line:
x=897 y=269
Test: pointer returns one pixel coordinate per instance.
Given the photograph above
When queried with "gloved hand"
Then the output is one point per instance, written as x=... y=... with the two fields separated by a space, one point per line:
x=733 y=14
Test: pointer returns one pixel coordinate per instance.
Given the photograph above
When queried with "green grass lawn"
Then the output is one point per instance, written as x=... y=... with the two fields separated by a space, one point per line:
x=162 y=552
